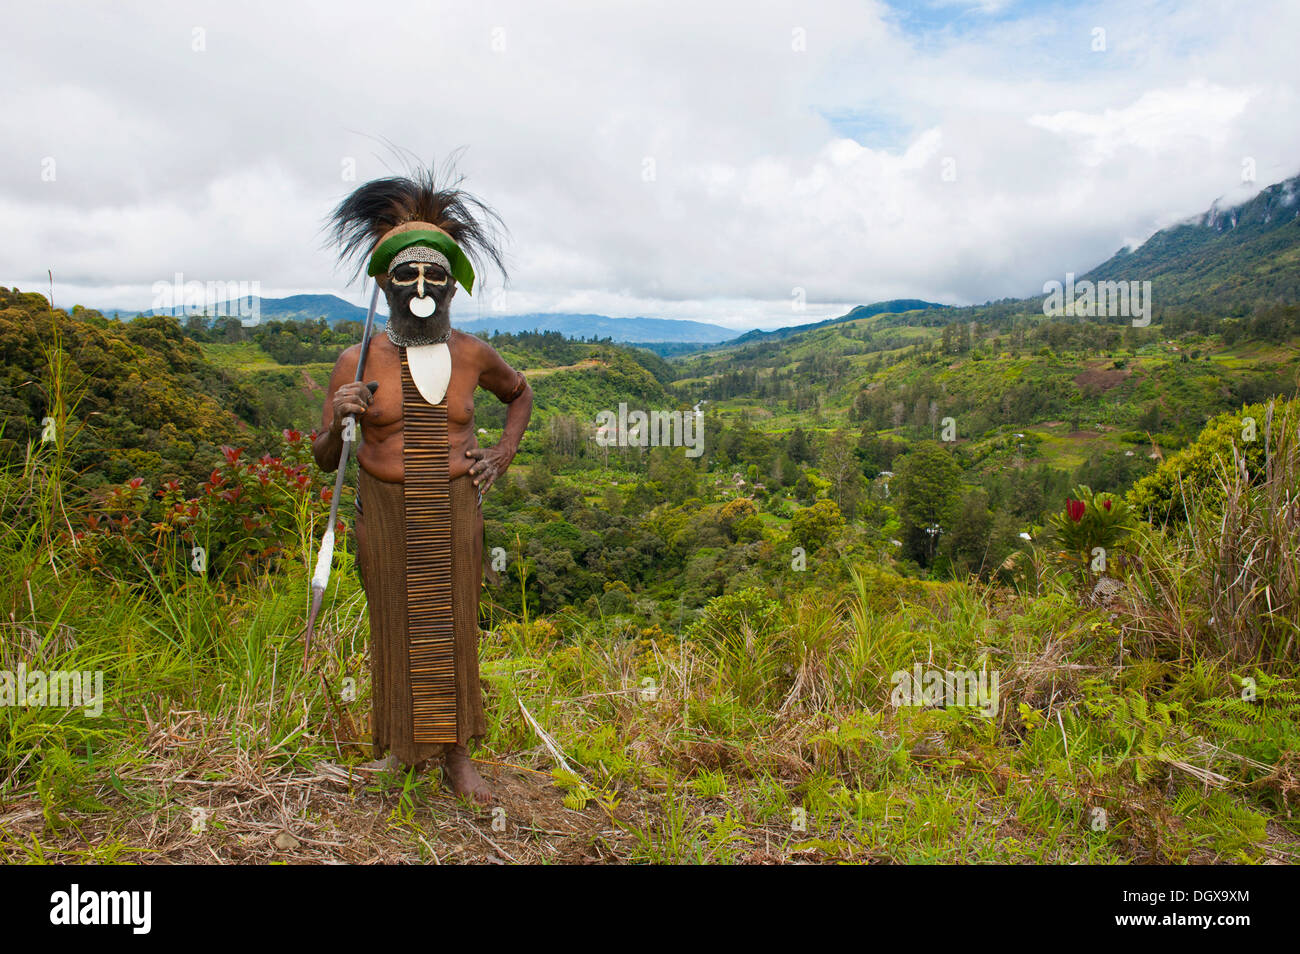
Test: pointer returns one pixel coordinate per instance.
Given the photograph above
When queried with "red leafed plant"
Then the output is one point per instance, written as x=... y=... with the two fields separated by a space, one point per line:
x=244 y=518
x=1092 y=525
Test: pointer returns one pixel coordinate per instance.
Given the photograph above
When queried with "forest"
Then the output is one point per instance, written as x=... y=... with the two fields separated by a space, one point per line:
x=685 y=659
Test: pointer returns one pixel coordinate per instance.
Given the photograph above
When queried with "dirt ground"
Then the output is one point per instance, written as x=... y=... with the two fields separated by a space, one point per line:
x=326 y=816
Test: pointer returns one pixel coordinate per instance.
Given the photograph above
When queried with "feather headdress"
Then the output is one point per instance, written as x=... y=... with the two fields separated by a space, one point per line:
x=424 y=195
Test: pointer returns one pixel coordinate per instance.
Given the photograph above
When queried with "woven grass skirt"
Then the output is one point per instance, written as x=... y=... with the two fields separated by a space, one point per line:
x=382 y=550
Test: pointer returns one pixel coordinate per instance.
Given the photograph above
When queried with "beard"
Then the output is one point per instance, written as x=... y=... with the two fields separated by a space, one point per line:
x=406 y=326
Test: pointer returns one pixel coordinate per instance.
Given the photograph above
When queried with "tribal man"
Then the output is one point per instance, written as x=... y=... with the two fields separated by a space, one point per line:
x=419 y=525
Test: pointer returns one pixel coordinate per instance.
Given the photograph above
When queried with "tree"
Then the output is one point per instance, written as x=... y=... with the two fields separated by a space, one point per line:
x=878 y=453
x=803 y=490
x=928 y=483
x=980 y=539
x=799 y=447
x=789 y=472
x=840 y=465
x=817 y=526
x=673 y=472
x=539 y=478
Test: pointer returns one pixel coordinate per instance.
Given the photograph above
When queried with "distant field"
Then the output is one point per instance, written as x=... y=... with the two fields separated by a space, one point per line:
x=245 y=356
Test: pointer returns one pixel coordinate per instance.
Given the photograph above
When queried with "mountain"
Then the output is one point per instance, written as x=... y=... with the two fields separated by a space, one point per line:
x=310 y=307
x=1229 y=258
x=294 y=308
x=893 y=306
x=642 y=330
x=1228 y=261
x=1099 y=398
x=335 y=310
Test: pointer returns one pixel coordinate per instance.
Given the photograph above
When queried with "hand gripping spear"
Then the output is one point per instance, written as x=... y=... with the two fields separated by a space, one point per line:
x=320 y=579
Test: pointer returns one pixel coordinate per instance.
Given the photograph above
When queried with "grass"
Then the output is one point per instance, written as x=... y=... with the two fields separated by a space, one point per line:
x=1065 y=450
x=244 y=356
x=1159 y=726
x=750 y=743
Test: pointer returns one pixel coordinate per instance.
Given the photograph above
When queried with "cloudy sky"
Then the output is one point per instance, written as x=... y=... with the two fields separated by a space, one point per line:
x=721 y=161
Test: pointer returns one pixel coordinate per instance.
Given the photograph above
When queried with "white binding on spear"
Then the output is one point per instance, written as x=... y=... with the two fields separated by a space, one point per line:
x=321 y=578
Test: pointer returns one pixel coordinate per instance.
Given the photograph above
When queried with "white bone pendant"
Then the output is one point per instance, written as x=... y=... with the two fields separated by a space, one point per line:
x=430 y=370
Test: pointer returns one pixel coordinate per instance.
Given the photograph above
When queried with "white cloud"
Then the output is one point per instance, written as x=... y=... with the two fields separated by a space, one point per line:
x=1158 y=121
x=223 y=163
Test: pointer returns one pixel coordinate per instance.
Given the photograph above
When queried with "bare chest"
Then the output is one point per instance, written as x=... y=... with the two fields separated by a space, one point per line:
x=385 y=411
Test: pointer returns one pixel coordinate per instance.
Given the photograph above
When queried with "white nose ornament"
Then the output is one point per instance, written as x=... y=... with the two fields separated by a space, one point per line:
x=422 y=307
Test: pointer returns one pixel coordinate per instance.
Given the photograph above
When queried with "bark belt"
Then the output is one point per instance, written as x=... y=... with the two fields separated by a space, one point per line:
x=428 y=564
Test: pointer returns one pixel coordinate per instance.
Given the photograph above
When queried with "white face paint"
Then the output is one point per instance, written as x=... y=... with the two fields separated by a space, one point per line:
x=422 y=307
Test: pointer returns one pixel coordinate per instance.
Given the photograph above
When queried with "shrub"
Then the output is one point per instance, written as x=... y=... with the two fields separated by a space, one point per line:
x=1193 y=477
x=728 y=615
x=1228 y=578
x=1089 y=523
x=243 y=520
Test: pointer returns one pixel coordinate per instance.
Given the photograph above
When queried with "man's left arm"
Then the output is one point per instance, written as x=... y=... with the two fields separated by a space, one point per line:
x=513 y=390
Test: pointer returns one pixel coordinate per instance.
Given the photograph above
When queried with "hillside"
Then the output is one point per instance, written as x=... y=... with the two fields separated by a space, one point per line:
x=1023 y=388
x=149 y=400
x=623 y=330
x=335 y=311
x=568 y=377
x=702 y=700
x=941 y=585
x=1078 y=388
x=161 y=401
x=1230 y=259
x=894 y=306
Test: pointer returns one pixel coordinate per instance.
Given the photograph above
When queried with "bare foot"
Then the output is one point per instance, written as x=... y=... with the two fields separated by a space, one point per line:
x=465 y=779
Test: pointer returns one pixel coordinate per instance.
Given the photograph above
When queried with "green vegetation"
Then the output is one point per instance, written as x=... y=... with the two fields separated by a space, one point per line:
x=687 y=659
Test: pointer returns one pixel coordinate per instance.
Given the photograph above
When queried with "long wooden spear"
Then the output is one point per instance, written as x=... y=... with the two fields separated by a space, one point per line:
x=321 y=578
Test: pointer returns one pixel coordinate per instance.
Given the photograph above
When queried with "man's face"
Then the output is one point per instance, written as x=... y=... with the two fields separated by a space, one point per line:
x=418 y=290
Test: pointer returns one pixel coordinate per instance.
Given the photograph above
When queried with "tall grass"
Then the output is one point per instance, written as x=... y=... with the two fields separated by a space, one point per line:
x=178 y=643
x=767 y=732
x=1227 y=581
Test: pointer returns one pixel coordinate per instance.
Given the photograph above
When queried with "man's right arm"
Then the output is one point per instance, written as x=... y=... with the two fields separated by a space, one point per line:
x=343 y=396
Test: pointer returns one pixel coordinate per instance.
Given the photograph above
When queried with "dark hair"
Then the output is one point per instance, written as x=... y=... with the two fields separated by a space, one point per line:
x=422 y=195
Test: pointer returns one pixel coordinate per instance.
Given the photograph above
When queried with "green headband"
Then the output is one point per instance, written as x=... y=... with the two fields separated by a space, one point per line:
x=461 y=270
